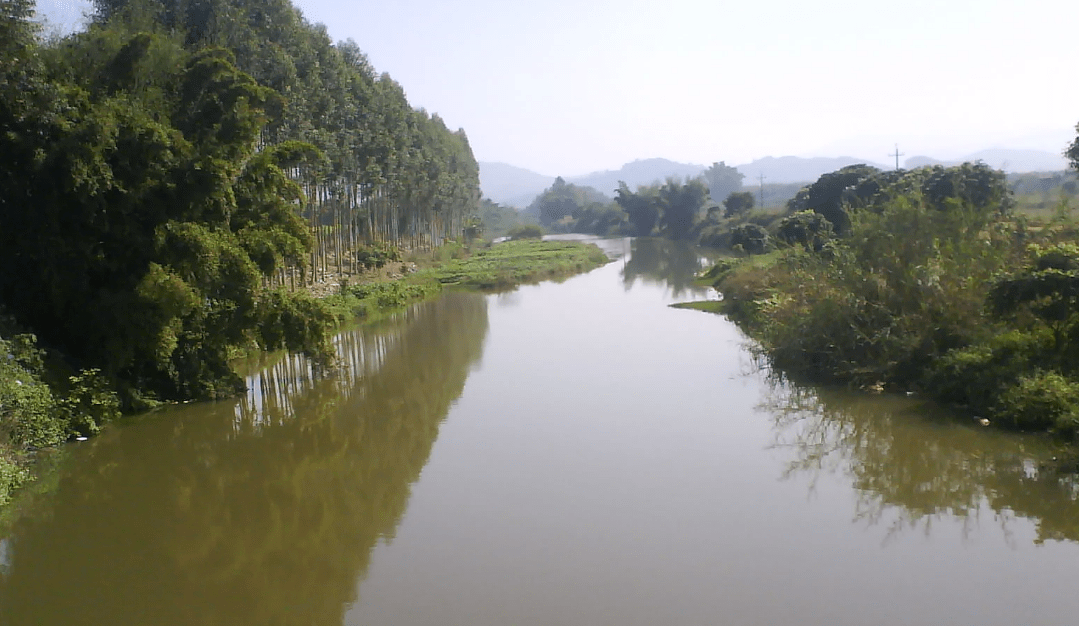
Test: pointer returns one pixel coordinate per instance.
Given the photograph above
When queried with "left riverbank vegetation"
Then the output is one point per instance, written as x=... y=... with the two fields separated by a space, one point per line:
x=175 y=179
x=929 y=280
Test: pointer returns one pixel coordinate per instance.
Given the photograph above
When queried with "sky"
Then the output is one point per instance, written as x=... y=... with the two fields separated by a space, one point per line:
x=567 y=87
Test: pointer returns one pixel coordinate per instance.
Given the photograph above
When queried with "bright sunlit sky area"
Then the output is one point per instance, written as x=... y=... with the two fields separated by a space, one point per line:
x=569 y=87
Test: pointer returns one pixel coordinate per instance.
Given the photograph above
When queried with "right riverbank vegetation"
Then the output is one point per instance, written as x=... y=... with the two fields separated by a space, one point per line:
x=927 y=281
x=183 y=183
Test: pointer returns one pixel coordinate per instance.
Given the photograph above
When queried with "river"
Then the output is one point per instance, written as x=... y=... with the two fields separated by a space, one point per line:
x=565 y=453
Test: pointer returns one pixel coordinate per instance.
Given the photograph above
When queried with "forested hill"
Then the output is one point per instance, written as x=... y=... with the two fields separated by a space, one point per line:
x=166 y=171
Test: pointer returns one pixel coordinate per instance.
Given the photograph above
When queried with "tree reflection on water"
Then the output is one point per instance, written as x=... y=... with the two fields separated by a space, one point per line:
x=913 y=463
x=256 y=511
x=672 y=264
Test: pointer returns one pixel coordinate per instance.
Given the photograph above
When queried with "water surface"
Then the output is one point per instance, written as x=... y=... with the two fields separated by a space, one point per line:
x=567 y=453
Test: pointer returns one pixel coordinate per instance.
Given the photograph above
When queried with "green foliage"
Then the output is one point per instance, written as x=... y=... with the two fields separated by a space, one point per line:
x=738 y=203
x=722 y=180
x=975 y=375
x=29 y=413
x=718 y=270
x=394 y=294
x=563 y=200
x=674 y=207
x=832 y=191
x=35 y=414
x=1048 y=288
x=164 y=171
x=906 y=285
x=375 y=300
x=1053 y=195
x=1042 y=401
x=498 y=220
x=377 y=255
x=808 y=228
x=265 y=218
x=714 y=236
x=511 y=263
x=473 y=228
x=1073 y=151
x=12 y=476
x=680 y=206
x=296 y=321
x=921 y=291
x=525 y=231
x=89 y=404
x=974 y=184
x=752 y=238
x=599 y=219
x=641 y=208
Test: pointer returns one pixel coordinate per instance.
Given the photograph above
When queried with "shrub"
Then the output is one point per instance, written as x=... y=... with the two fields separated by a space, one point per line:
x=525 y=231
x=377 y=255
x=90 y=403
x=752 y=238
x=719 y=270
x=1043 y=400
x=975 y=375
x=296 y=321
x=808 y=228
x=29 y=412
x=11 y=476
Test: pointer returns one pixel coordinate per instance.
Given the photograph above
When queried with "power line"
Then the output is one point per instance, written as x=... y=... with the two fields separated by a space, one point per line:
x=761 y=177
x=897 y=155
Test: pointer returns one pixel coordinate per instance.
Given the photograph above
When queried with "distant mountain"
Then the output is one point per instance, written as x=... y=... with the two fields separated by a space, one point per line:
x=1009 y=160
x=516 y=186
x=790 y=169
x=511 y=185
x=636 y=174
x=915 y=162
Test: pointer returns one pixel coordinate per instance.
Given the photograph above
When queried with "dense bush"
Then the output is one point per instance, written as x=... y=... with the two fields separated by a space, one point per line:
x=376 y=255
x=751 y=237
x=29 y=412
x=1041 y=401
x=905 y=285
x=525 y=231
x=36 y=412
x=808 y=228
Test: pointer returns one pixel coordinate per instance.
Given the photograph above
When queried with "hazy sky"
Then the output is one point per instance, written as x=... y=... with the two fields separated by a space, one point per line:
x=568 y=87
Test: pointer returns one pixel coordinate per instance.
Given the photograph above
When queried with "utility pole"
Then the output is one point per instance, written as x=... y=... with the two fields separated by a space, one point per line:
x=897 y=155
x=761 y=177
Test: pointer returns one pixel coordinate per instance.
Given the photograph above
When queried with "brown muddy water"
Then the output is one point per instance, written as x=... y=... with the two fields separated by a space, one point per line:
x=570 y=453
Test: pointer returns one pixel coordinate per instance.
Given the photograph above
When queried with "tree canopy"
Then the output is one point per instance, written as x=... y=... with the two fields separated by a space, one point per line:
x=738 y=203
x=167 y=171
x=563 y=200
x=673 y=208
x=723 y=180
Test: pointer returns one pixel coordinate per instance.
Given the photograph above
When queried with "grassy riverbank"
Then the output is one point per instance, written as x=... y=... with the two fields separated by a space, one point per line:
x=41 y=405
x=484 y=267
x=961 y=301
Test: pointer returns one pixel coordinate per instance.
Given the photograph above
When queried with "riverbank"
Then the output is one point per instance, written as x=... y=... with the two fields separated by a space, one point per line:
x=485 y=267
x=34 y=410
x=969 y=306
